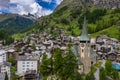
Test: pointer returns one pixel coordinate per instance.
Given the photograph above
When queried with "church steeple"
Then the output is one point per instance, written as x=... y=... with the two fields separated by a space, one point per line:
x=84 y=36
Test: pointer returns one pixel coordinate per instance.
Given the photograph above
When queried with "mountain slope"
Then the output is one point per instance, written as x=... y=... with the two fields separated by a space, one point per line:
x=12 y=23
x=70 y=18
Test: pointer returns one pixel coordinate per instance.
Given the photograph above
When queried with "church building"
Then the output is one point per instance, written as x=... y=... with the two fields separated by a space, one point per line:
x=85 y=54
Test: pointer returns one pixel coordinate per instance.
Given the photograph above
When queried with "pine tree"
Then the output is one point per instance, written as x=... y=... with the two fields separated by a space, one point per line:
x=108 y=67
x=78 y=76
x=90 y=76
x=65 y=64
x=102 y=74
x=115 y=75
x=45 y=68
x=58 y=63
x=70 y=64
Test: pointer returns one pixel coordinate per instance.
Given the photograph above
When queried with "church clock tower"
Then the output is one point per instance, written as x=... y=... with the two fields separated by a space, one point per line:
x=84 y=49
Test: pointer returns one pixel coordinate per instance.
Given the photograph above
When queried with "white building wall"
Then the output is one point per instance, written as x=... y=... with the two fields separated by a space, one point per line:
x=23 y=66
x=6 y=69
x=2 y=56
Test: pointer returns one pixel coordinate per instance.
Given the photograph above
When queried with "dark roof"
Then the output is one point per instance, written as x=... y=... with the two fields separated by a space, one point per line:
x=30 y=72
x=6 y=64
x=26 y=58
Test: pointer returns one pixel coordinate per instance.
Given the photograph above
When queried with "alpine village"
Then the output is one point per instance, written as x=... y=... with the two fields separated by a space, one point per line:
x=80 y=40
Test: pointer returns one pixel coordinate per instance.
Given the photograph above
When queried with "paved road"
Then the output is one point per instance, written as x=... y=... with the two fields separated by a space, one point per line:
x=103 y=63
x=96 y=74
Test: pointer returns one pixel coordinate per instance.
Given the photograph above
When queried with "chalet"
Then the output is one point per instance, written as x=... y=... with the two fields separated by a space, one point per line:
x=3 y=56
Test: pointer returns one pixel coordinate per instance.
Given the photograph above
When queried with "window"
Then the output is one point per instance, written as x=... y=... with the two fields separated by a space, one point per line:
x=23 y=62
x=3 y=58
x=82 y=50
x=27 y=65
x=27 y=62
x=23 y=65
x=4 y=69
x=23 y=69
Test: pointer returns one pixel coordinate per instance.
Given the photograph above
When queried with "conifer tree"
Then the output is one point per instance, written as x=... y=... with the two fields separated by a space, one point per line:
x=58 y=63
x=108 y=67
x=102 y=74
x=45 y=66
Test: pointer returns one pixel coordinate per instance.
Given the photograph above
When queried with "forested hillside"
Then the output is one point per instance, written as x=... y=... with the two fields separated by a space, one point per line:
x=100 y=21
x=13 y=23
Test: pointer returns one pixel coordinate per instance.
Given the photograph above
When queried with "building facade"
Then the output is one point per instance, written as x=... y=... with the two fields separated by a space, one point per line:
x=5 y=67
x=2 y=56
x=26 y=63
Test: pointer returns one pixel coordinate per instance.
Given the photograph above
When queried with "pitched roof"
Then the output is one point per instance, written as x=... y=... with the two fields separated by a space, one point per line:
x=26 y=58
x=5 y=64
x=84 y=36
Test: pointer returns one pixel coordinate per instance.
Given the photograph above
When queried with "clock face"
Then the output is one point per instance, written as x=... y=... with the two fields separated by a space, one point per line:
x=82 y=45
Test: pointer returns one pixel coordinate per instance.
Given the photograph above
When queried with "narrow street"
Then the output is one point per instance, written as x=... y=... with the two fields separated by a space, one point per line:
x=103 y=63
x=96 y=74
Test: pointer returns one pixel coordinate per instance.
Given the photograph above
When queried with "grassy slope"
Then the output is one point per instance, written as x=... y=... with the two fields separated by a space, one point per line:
x=111 y=31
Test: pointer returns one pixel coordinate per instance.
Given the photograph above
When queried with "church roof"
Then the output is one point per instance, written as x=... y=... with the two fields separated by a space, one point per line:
x=84 y=36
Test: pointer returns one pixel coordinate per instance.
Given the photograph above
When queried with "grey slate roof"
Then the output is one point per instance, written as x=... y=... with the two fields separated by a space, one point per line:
x=26 y=58
x=6 y=64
